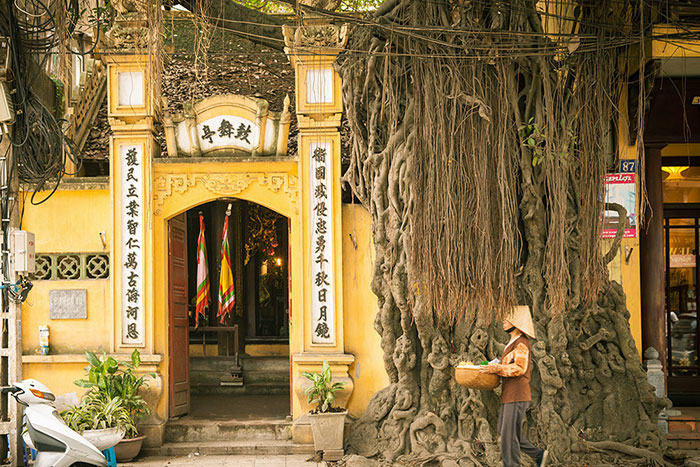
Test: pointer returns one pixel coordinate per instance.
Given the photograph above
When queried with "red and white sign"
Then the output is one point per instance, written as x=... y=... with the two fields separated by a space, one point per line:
x=620 y=189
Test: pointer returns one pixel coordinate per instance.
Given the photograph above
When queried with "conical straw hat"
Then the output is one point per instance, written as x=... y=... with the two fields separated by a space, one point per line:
x=520 y=318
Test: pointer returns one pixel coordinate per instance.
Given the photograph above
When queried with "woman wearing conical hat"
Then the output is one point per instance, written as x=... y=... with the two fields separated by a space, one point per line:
x=515 y=370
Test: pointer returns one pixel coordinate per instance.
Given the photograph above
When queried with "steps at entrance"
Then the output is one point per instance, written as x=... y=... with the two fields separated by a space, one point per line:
x=210 y=430
x=261 y=375
x=258 y=370
x=230 y=437
x=684 y=429
x=224 y=448
x=226 y=425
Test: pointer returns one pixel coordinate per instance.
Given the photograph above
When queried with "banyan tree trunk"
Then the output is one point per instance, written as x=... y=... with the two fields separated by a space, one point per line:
x=481 y=133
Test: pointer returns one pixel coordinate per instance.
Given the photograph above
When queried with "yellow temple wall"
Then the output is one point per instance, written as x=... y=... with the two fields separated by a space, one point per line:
x=361 y=340
x=68 y=222
x=621 y=269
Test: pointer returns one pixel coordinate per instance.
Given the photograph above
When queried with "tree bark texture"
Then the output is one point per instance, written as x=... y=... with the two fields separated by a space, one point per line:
x=480 y=140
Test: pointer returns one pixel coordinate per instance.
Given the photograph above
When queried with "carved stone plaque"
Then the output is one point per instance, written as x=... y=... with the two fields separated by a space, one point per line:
x=68 y=304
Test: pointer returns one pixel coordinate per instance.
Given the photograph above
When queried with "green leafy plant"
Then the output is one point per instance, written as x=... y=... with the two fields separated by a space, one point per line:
x=533 y=138
x=323 y=389
x=110 y=380
x=96 y=411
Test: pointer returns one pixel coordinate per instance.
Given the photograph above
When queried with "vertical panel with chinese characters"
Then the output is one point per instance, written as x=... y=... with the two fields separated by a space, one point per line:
x=132 y=238
x=322 y=248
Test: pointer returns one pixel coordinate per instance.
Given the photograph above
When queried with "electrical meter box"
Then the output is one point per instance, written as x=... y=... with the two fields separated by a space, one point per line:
x=23 y=251
x=7 y=108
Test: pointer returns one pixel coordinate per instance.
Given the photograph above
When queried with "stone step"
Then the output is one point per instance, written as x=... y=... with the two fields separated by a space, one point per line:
x=280 y=364
x=189 y=430
x=262 y=389
x=265 y=363
x=212 y=377
x=207 y=371
x=221 y=448
x=684 y=440
x=259 y=376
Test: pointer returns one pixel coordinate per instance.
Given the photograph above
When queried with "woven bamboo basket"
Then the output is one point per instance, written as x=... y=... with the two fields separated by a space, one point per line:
x=475 y=379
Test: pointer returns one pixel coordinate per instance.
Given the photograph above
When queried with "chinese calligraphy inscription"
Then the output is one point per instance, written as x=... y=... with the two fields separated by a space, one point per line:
x=132 y=263
x=322 y=258
x=228 y=130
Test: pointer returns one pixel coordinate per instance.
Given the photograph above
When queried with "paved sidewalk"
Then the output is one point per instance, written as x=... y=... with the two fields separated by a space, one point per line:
x=233 y=461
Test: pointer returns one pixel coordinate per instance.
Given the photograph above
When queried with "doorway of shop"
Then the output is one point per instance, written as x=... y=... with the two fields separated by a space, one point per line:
x=232 y=366
x=682 y=238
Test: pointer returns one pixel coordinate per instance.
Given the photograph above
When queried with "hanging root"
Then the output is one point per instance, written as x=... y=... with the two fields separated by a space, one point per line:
x=480 y=139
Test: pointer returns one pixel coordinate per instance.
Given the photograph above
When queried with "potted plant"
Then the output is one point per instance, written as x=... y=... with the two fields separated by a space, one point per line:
x=327 y=421
x=110 y=380
x=101 y=420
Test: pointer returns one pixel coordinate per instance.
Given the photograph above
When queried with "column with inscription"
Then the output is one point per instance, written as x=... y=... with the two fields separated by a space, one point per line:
x=312 y=48
x=132 y=99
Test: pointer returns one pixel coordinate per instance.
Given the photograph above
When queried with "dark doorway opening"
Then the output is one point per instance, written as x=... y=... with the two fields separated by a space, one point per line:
x=259 y=247
x=219 y=357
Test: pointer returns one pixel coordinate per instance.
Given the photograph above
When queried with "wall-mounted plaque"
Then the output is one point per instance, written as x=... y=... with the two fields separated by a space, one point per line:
x=68 y=304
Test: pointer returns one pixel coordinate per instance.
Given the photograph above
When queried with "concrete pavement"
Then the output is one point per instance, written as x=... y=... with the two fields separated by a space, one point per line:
x=233 y=461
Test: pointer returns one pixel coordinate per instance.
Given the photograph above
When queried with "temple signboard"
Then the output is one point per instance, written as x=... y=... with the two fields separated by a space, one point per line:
x=228 y=125
x=227 y=130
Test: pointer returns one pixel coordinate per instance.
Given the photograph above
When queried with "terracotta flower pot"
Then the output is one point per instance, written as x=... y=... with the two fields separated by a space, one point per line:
x=128 y=448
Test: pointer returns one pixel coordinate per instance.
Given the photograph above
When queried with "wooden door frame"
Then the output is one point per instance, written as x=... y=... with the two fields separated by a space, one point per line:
x=691 y=384
x=171 y=360
x=289 y=285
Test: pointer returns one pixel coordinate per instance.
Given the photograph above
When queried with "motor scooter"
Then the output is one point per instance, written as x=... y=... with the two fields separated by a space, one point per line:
x=55 y=443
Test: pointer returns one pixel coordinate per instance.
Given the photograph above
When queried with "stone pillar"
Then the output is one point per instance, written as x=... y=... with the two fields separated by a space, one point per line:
x=651 y=240
x=655 y=373
x=132 y=98
x=312 y=49
x=657 y=378
x=153 y=426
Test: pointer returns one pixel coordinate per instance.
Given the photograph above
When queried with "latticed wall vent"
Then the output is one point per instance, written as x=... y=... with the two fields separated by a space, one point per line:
x=71 y=266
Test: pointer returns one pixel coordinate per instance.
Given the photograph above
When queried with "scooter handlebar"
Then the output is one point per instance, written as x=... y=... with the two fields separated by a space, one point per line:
x=9 y=389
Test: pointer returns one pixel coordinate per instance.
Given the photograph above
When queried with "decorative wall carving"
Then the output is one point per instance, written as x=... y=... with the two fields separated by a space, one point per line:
x=228 y=184
x=128 y=6
x=127 y=34
x=71 y=266
x=129 y=29
x=316 y=35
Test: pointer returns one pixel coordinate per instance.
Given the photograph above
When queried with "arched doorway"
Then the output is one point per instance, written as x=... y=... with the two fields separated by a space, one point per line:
x=234 y=365
x=181 y=186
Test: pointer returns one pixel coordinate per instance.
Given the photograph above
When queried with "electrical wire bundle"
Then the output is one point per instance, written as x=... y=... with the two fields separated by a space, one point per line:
x=43 y=155
x=37 y=23
x=40 y=146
